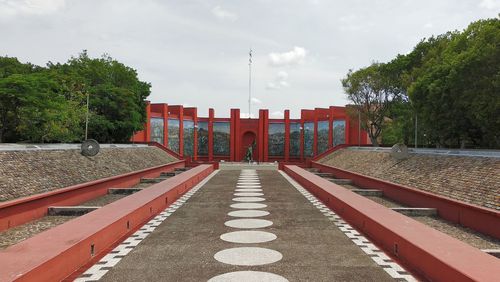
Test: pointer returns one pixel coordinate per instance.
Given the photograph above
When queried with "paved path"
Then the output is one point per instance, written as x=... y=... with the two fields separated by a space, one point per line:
x=270 y=232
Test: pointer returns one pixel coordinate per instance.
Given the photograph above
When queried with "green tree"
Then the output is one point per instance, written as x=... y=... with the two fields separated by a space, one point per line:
x=372 y=91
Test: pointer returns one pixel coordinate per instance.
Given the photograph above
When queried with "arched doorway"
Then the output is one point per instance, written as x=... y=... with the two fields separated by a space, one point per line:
x=247 y=139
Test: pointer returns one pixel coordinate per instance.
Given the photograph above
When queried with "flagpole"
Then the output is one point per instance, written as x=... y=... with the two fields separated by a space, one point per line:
x=250 y=84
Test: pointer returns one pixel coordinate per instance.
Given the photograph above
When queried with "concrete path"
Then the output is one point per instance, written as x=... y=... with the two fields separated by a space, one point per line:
x=244 y=225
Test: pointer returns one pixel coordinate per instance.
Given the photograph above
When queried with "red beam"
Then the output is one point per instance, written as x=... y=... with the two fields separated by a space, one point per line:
x=481 y=219
x=430 y=253
x=54 y=254
x=23 y=210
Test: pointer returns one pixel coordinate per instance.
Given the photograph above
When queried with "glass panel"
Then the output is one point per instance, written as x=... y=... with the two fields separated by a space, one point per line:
x=338 y=132
x=173 y=135
x=203 y=138
x=221 y=138
x=157 y=130
x=295 y=139
x=276 y=144
x=308 y=138
x=323 y=128
x=188 y=129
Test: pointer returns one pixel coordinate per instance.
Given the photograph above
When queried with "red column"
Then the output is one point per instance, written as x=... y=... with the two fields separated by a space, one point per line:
x=287 y=135
x=181 y=131
x=315 y=140
x=330 y=128
x=147 y=130
x=237 y=133
x=266 y=134
x=165 y=124
x=261 y=136
x=347 y=129
x=232 y=127
x=210 y=134
x=195 y=141
x=301 y=137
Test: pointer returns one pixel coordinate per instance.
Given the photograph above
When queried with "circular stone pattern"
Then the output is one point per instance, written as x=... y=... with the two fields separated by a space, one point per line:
x=248 y=276
x=248 y=199
x=248 y=237
x=248 y=256
x=248 y=213
x=248 y=206
x=248 y=194
x=248 y=223
x=248 y=190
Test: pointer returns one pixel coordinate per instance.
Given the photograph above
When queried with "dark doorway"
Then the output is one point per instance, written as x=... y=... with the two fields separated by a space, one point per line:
x=247 y=139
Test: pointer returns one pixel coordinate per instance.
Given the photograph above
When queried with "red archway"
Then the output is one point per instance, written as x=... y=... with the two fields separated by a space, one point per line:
x=247 y=139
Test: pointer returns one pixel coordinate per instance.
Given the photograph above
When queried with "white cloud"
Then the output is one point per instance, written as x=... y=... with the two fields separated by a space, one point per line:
x=428 y=25
x=255 y=100
x=223 y=15
x=490 y=4
x=277 y=114
x=279 y=82
x=33 y=7
x=296 y=56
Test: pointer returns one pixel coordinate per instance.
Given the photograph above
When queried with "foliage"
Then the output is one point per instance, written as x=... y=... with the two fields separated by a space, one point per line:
x=49 y=104
x=451 y=83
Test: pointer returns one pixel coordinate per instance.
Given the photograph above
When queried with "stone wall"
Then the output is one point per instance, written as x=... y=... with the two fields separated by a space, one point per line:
x=474 y=180
x=24 y=173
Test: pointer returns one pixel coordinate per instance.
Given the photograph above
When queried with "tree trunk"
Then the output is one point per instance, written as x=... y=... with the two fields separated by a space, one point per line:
x=374 y=141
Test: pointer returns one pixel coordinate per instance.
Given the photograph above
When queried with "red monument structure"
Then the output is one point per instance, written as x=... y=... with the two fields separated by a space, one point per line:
x=214 y=138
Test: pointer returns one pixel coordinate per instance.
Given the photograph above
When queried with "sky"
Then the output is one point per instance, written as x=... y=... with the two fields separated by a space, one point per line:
x=196 y=53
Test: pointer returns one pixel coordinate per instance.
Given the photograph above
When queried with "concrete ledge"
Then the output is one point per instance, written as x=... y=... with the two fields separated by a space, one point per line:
x=477 y=218
x=416 y=211
x=368 y=192
x=56 y=253
x=71 y=211
x=20 y=211
x=493 y=252
x=123 y=191
x=153 y=180
x=425 y=251
x=340 y=181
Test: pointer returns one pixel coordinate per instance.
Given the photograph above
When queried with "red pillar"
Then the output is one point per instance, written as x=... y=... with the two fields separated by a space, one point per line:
x=266 y=135
x=195 y=141
x=210 y=134
x=302 y=136
x=347 y=129
x=287 y=135
x=147 y=130
x=315 y=140
x=181 y=131
x=232 y=144
x=236 y=137
x=165 y=124
x=330 y=128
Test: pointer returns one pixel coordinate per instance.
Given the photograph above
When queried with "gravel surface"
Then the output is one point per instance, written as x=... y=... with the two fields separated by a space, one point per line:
x=385 y=202
x=104 y=200
x=459 y=232
x=22 y=232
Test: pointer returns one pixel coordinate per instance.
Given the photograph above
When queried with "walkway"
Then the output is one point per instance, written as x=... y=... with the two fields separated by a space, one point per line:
x=246 y=225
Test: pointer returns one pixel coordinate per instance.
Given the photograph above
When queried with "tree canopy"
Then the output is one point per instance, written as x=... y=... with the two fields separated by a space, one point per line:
x=48 y=104
x=450 y=82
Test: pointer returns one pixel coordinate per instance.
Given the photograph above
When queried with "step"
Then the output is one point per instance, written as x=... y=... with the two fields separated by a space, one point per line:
x=368 y=192
x=181 y=169
x=168 y=174
x=416 y=211
x=153 y=180
x=311 y=169
x=323 y=174
x=340 y=181
x=70 y=210
x=123 y=191
x=493 y=252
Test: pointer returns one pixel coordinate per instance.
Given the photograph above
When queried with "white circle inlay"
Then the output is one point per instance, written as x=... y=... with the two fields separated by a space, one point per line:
x=248 y=206
x=248 y=223
x=248 y=237
x=248 y=186
x=249 y=194
x=248 y=213
x=248 y=276
x=248 y=190
x=248 y=256
x=248 y=199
